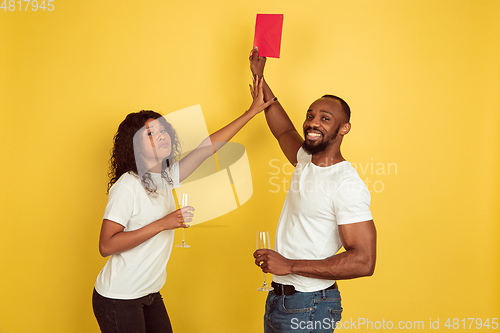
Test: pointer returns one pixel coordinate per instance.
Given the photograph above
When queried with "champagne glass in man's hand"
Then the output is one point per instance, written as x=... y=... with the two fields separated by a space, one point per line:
x=263 y=243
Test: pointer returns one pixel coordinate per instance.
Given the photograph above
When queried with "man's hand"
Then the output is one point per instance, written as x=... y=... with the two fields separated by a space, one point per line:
x=279 y=123
x=357 y=260
x=257 y=63
x=272 y=262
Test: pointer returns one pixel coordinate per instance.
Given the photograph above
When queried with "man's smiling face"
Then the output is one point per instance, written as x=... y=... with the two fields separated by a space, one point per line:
x=322 y=124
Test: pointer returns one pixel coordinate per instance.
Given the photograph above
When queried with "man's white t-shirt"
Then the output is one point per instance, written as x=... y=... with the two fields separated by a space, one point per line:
x=319 y=199
x=142 y=270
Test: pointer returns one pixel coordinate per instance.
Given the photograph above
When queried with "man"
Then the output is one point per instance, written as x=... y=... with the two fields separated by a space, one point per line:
x=327 y=207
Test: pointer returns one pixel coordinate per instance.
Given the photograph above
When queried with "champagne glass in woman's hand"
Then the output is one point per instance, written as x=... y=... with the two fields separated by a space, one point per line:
x=263 y=243
x=183 y=202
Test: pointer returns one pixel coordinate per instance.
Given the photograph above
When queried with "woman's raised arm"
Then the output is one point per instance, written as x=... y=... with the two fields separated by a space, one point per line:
x=216 y=140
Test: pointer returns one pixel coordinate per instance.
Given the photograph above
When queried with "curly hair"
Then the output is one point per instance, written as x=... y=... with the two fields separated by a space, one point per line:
x=123 y=156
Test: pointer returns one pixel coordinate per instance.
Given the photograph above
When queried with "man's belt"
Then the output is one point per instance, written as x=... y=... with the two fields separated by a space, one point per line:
x=286 y=289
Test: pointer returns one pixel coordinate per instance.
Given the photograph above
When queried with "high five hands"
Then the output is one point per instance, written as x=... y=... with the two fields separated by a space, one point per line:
x=257 y=67
x=258 y=104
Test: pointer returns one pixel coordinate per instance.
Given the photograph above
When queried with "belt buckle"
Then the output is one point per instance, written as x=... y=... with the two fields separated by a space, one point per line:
x=283 y=289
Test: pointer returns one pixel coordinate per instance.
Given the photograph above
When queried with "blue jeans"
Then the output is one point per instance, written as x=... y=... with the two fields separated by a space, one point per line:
x=142 y=315
x=303 y=312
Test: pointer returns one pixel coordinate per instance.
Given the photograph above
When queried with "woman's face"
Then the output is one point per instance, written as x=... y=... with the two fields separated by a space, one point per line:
x=156 y=142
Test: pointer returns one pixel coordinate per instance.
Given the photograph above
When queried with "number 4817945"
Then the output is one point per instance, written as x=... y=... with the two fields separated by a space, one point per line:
x=477 y=323
x=12 y=5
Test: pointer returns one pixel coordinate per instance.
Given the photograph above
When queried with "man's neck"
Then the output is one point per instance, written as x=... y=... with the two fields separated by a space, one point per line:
x=325 y=158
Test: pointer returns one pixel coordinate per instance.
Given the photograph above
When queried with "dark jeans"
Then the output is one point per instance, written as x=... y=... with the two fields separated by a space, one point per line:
x=142 y=315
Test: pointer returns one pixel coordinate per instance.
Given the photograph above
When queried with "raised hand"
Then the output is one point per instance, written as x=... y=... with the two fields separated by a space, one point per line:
x=258 y=104
x=257 y=63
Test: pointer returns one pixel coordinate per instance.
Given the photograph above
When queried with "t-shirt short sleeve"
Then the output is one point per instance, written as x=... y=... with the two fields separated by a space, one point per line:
x=120 y=205
x=176 y=175
x=352 y=202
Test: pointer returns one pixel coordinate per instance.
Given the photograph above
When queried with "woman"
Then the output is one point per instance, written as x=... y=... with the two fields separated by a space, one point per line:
x=139 y=221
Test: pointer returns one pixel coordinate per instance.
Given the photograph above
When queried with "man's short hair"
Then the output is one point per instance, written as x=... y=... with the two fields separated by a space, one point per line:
x=345 y=107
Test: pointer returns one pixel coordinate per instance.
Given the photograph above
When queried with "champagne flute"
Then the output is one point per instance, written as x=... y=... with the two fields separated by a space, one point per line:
x=263 y=243
x=183 y=202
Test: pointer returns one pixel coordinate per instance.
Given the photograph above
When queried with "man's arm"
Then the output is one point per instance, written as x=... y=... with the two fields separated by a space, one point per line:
x=357 y=260
x=278 y=121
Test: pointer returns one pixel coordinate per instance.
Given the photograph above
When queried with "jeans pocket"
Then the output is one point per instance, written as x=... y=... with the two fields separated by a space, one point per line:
x=328 y=309
x=297 y=303
x=335 y=316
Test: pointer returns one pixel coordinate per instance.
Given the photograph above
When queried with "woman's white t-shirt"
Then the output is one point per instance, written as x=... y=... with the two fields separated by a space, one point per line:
x=142 y=270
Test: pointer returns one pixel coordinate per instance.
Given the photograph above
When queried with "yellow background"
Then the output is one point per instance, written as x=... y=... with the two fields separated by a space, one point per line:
x=422 y=79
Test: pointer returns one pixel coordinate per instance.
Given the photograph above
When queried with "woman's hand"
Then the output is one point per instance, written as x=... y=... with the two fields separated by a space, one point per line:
x=178 y=218
x=114 y=239
x=258 y=104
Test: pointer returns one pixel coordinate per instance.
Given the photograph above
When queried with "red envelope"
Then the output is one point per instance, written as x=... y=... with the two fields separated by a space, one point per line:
x=268 y=28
